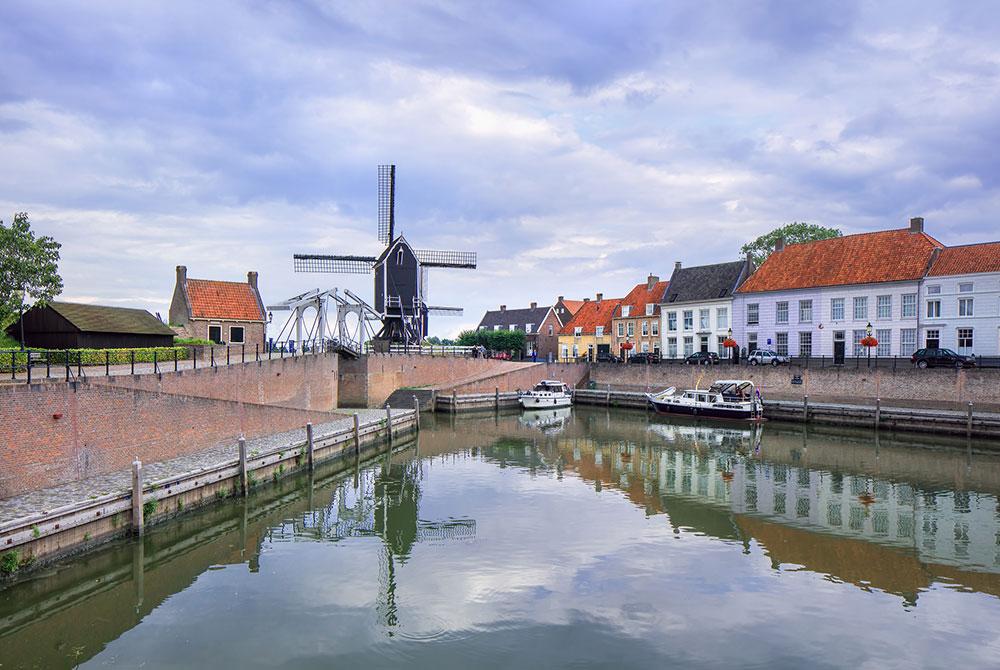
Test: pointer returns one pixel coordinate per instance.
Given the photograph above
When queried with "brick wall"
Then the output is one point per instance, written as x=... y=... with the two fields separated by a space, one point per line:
x=253 y=332
x=524 y=378
x=59 y=433
x=304 y=382
x=907 y=387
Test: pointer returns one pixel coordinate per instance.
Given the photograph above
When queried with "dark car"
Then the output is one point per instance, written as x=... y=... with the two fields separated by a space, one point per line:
x=644 y=357
x=703 y=358
x=940 y=358
x=607 y=357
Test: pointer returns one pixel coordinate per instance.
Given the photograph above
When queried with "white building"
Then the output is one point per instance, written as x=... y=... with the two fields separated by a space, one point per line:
x=819 y=298
x=697 y=308
x=960 y=300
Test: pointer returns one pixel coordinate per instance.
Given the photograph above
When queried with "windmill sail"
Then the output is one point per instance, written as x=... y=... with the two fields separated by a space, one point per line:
x=357 y=265
x=386 y=203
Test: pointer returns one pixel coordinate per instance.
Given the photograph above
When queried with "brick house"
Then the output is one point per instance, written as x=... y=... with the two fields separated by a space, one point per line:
x=588 y=333
x=225 y=312
x=637 y=319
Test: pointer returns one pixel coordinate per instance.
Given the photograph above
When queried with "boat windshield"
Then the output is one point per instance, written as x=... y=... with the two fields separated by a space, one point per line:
x=734 y=389
x=550 y=387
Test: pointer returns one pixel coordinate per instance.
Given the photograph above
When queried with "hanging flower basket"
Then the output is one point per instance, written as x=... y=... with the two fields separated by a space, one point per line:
x=627 y=346
x=869 y=341
x=729 y=343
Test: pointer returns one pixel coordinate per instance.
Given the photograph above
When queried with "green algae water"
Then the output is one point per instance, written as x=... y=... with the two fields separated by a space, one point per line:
x=569 y=539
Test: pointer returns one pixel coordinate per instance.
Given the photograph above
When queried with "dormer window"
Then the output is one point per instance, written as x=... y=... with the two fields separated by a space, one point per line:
x=626 y=309
x=578 y=331
x=399 y=257
x=649 y=309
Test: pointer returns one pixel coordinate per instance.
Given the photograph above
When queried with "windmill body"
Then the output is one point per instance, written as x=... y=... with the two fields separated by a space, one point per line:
x=400 y=292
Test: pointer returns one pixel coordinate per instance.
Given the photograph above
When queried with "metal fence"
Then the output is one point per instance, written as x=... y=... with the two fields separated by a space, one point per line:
x=851 y=362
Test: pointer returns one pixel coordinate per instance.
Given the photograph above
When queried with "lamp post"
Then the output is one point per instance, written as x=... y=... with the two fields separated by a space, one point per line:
x=868 y=333
x=729 y=336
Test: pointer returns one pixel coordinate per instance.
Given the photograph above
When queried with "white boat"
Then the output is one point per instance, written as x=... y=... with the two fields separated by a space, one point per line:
x=725 y=399
x=547 y=393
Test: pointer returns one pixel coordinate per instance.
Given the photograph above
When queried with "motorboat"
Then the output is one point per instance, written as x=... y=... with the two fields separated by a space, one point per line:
x=724 y=399
x=547 y=393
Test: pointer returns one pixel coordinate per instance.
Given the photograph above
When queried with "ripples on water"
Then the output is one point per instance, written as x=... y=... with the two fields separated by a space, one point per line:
x=583 y=539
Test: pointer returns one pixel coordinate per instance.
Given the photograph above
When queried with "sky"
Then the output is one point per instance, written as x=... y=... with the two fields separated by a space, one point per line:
x=576 y=146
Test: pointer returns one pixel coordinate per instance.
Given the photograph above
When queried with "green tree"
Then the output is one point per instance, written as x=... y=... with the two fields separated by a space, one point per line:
x=495 y=340
x=792 y=233
x=29 y=267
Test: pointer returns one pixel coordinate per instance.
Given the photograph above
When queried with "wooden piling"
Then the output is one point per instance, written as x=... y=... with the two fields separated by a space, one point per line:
x=357 y=433
x=310 y=446
x=454 y=402
x=137 y=512
x=805 y=408
x=968 y=421
x=878 y=412
x=388 y=423
x=244 y=479
x=416 y=413
x=496 y=398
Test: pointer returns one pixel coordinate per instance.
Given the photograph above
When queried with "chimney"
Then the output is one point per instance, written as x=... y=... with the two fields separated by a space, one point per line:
x=749 y=261
x=534 y=305
x=779 y=244
x=252 y=279
x=917 y=224
x=182 y=274
x=677 y=266
x=561 y=298
x=599 y=296
x=503 y=308
x=651 y=281
x=586 y=299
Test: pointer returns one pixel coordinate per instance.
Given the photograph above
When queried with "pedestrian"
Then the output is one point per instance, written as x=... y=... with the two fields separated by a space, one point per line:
x=534 y=355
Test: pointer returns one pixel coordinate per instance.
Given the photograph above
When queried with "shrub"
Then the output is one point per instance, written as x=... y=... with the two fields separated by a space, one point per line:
x=57 y=357
x=192 y=341
x=149 y=508
x=9 y=562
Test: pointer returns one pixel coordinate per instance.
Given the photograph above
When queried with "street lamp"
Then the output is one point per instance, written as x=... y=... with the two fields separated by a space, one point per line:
x=729 y=336
x=868 y=333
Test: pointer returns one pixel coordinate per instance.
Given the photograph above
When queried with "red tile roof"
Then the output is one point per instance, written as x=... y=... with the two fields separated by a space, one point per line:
x=967 y=259
x=866 y=258
x=592 y=314
x=573 y=305
x=235 y=301
x=642 y=295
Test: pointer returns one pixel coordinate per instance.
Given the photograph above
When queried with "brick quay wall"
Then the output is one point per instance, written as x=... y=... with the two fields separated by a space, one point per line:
x=909 y=387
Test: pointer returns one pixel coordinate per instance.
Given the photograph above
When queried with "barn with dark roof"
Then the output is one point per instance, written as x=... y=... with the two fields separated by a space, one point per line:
x=67 y=325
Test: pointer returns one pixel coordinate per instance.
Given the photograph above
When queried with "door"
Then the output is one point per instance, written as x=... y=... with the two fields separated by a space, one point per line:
x=704 y=343
x=838 y=347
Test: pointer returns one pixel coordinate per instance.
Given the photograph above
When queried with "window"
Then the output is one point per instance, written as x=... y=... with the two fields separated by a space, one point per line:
x=550 y=330
x=688 y=319
x=883 y=307
x=496 y=327
x=577 y=331
x=688 y=345
x=576 y=351
x=805 y=311
x=884 y=337
x=631 y=328
x=781 y=343
x=399 y=257
x=565 y=351
x=860 y=308
x=837 y=309
x=626 y=310
x=933 y=339
x=964 y=340
x=907 y=341
x=753 y=314
x=934 y=290
x=781 y=312
x=649 y=308
x=722 y=317
x=215 y=334
x=933 y=309
x=751 y=341
x=703 y=318
x=806 y=344
x=965 y=287
x=909 y=305
x=528 y=327
x=599 y=331
x=621 y=329
x=656 y=328
x=720 y=346
x=965 y=306
x=859 y=334
x=672 y=347
x=236 y=335
x=645 y=328
x=671 y=320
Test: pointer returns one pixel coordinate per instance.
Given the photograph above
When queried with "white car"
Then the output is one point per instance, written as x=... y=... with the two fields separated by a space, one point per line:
x=766 y=357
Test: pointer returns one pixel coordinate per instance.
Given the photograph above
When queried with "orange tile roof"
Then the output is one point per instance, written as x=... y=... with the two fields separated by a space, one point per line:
x=866 y=258
x=592 y=314
x=640 y=296
x=967 y=259
x=573 y=305
x=235 y=301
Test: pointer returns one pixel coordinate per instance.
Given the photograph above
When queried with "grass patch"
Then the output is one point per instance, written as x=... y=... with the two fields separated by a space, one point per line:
x=149 y=508
x=9 y=562
x=36 y=531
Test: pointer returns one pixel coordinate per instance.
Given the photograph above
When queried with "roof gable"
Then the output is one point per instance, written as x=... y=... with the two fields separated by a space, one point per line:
x=967 y=259
x=102 y=319
x=232 y=301
x=517 y=317
x=592 y=313
x=705 y=282
x=866 y=258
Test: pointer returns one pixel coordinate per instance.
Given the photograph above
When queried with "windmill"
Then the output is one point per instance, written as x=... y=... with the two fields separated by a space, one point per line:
x=400 y=271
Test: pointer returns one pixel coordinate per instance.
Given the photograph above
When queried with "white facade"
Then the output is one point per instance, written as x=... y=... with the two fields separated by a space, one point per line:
x=812 y=321
x=961 y=313
x=695 y=326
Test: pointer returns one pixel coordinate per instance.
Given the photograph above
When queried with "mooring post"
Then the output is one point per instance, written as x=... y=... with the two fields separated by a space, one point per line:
x=878 y=412
x=309 y=445
x=968 y=421
x=607 y=396
x=416 y=413
x=454 y=402
x=434 y=400
x=496 y=398
x=137 y=520
x=805 y=408
x=243 y=467
x=357 y=433
x=388 y=422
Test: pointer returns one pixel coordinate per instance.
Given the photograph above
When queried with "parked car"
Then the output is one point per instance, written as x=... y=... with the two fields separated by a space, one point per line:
x=766 y=357
x=644 y=357
x=606 y=357
x=703 y=358
x=940 y=358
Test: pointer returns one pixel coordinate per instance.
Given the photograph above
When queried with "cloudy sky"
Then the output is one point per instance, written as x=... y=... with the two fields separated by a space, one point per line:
x=576 y=146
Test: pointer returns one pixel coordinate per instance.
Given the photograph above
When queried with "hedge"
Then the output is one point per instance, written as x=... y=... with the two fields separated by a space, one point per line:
x=57 y=357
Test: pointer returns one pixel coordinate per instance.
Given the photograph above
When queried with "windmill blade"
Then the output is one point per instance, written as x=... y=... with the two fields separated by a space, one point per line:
x=446 y=259
x=356 y=265
x=386 y=203
x=446 y=311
